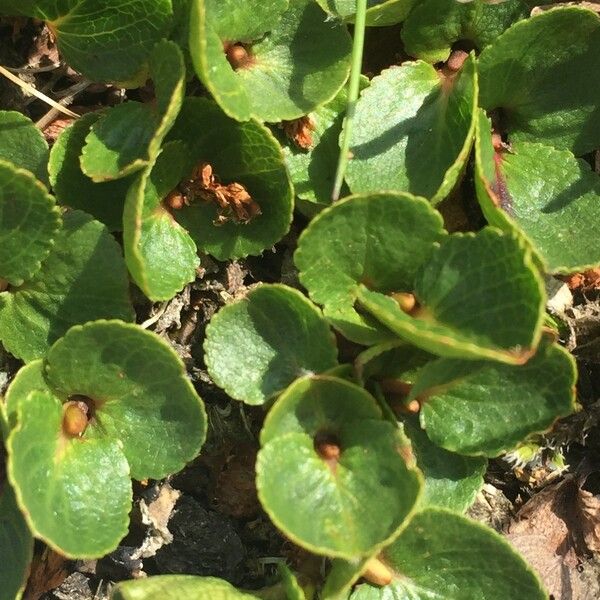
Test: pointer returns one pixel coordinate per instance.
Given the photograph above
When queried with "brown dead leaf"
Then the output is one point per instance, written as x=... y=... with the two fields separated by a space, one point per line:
x=300 y=131
x=233 y=201
x=554 y=531
x=589 y=506
x=48 y=571
x=587 y=280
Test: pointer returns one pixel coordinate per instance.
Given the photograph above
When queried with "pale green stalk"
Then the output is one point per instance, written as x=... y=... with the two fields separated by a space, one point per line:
x=353 y=89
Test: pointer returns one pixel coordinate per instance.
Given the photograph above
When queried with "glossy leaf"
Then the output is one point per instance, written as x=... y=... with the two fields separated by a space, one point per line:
x=29 y=222
x=458 y=291
x=84 y=278
x=128 y=136
x=444 y=555
x=413 y=130
x=110 y=41
x=451 y=480
x=61 y=482
x=105 y=200
x=434 y=26
x=379 y=12
x=16 y=546
x=178 y=587
x=160 y=254
x=380 y=240
x=140 y=390
x=23 y=144
x=358 y=500
x=298 y=60
x=482 y=408
x=244 y=153
x=547 y=194
x=257 y=346
x=537 y=75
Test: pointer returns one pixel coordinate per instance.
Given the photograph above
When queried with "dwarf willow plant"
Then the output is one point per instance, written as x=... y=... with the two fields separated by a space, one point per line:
x=370 y=463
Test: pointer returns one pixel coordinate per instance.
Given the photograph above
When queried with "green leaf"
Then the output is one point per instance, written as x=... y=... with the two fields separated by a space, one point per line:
x=298 y=60
x=413 y=130
x=244 y=153
x=140 y=392
x=313 y=169
x=546 y=194
x=434 y=26
x=444 y=555
x=257 y=346
x=104 y=201
x=160 y=254
x=110 y=41
x=356 y=500
x=483 y=408
x=128 y=136
x=379 y=12
x=380 y=240
x=16 y=546
x=75 y=493
x=537 y=75
x=84 y=278
x=23 y=144
x=29 y=221
x=311 y=405
x=451 y=480
x=178 y=587
x=28 y=379
x=458 y=291
x=342 y=576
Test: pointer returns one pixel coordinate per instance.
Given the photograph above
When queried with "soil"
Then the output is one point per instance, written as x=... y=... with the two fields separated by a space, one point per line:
x=206 y=520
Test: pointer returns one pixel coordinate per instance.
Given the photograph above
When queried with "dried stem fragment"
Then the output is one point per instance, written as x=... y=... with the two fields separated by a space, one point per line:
x=233 y=200
x=300 y=131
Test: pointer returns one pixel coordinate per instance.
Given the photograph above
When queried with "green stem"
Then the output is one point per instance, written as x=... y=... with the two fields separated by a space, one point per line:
x=353 y=89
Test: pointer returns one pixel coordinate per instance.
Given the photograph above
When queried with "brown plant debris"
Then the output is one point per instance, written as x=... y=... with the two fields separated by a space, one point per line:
x=48 y=571
x=233 y=201
x=554 y=531
x=587 y=280
x=300 y=131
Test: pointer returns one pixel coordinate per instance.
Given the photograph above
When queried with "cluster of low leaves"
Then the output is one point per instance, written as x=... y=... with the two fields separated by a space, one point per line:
x=372 y=463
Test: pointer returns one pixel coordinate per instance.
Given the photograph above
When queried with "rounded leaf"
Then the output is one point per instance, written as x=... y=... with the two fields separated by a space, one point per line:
x=413 y=130
x=75 y=492
x=23 y=144
x=297 y=60
x=483 y=408
x=434 y=26
x=109 y=41
x=346 y=509
x=380 y=240
x=105 y=200
x=547 y=194
x=444 y=555
x=177 y=587
x=257 y=346
x=128 y=136
x=451 y=480
x=319 y=403
x=538 y=74
x=29 y=221
x=458 y=313
x=379 y=12
x=160 y=254
x=16 y=546
x=243 y=153
x=139 y=390
x=84 y=278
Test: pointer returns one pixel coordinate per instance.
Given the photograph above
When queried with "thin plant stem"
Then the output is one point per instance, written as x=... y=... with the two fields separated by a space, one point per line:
x=353 y=89
x=30 y=89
